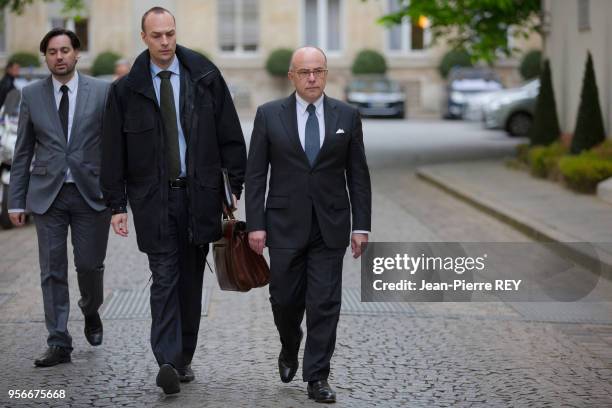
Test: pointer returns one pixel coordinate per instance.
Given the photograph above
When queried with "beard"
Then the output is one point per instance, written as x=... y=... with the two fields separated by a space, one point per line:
x=68 y=70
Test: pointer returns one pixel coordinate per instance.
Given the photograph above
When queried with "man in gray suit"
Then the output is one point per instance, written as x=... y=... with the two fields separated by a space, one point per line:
x=60 y=123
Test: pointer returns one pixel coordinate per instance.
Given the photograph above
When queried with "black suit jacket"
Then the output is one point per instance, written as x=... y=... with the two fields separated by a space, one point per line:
x=296 y=188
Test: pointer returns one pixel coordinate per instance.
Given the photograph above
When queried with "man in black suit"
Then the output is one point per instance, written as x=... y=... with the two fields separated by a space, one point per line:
x=170 y=126
x=314 y=145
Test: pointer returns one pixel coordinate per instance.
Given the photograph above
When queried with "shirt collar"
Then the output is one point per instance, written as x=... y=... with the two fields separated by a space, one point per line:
x=174 y=67
x=72 y=84
x=302 y=104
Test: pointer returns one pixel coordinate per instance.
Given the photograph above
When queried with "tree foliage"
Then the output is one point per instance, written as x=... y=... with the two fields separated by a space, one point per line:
x=18 y=6
x=481 y=27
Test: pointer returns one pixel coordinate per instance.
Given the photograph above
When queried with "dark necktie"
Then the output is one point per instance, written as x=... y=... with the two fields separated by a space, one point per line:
x=312 y=144
x=168 y=112
x=63 y=110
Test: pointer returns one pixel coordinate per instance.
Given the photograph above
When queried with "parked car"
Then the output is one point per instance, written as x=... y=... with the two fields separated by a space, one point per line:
x=8 y=137
x=376 y=96
x=513 y=110
x=465 y=84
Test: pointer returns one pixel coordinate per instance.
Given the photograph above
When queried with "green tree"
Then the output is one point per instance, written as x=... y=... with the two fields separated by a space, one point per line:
x=369 y=62
x=545 y=127
x=18 y=6
x=531 y=65
x=25 y=59
x=104 y=64
x=278 y=62
x=454 y=58
x=481 y=27
x=589 y=130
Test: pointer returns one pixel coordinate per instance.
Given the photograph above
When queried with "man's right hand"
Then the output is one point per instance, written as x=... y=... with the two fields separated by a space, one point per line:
x=257 y=241
x=17 y=218
x=120 y=224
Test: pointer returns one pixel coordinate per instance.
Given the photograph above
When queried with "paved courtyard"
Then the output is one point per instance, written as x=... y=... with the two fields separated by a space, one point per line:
x=409 y=355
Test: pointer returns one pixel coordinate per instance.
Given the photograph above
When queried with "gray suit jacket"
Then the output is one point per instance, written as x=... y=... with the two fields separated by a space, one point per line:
x=40 y=133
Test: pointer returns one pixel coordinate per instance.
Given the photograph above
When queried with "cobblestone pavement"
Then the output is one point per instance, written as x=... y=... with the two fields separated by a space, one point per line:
x=435 y=355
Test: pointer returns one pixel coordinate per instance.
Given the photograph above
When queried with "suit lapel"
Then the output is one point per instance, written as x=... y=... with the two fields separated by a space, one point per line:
x=331 y=124
x=79 y=109
x=288 y=117
x=51 y=108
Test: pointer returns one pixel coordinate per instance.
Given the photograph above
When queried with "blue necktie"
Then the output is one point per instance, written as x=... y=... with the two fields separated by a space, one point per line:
x=312 y=144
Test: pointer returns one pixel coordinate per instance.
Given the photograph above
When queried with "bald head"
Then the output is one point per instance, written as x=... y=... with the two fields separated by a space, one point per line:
x=308 y=72
x=307 y=52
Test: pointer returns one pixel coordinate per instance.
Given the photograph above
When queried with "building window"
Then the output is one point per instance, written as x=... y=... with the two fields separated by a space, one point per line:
x=323 y=24
x=410 y=35
x=2 y=31
x=80 y=26
x=238 y=25
x=584 y=17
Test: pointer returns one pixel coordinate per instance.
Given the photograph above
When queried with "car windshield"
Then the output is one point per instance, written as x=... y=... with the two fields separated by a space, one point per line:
x=380 y=85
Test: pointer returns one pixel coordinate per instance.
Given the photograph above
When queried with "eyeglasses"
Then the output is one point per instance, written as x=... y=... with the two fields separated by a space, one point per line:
x=305 y=73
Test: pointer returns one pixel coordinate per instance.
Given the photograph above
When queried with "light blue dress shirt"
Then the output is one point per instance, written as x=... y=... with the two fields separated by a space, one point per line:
x=175 y=80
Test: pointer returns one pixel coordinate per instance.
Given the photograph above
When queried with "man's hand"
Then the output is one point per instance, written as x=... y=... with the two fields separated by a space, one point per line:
x=120 y=224
x=257 y=241
x=226 y=211
x=356 y=240
x=17 y=218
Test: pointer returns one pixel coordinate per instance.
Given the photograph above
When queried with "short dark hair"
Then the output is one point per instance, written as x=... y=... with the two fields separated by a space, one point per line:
x=10 y=65
x=74 y=39
x=154 y=10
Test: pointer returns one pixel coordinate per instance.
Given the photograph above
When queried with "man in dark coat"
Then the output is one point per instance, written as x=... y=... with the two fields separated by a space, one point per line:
x=170 y=126
x=7 y=83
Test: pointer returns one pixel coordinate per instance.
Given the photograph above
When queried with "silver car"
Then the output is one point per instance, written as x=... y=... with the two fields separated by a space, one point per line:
x=376 y=96
x=512 y=109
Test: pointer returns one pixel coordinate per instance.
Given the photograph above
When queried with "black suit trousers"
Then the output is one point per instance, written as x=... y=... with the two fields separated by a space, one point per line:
x=308 y=280
x=176 y=291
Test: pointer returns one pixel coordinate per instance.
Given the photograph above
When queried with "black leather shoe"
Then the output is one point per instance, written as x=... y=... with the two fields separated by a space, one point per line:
x=320 y=391
x=53 y=356
x=288 y=362
x=186 y=374
x=93 y=329
x=168 y=379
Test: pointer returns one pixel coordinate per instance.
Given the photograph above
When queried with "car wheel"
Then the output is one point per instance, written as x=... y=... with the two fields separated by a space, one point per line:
x=5 y=221
x=519 y=124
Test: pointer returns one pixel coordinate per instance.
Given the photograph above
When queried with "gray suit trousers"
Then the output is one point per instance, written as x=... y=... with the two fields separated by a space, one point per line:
x=89 y=234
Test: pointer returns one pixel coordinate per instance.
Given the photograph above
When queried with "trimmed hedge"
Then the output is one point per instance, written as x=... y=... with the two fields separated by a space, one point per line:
x=25 y=59
x=584 y=171
x=104 y=64
x=531 y=65
x=278 y=62
x=543 y=160
x=369 y=62
x=454 y=58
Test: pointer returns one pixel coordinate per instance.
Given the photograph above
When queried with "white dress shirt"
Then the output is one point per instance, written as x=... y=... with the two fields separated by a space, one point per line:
x=302 y=117
x=73 y=88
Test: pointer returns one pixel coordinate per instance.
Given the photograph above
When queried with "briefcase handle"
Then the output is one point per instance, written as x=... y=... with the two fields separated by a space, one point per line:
x=228 y=201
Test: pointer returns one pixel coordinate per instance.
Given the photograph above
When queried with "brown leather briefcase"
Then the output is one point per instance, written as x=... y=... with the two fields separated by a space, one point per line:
x=237 y=266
